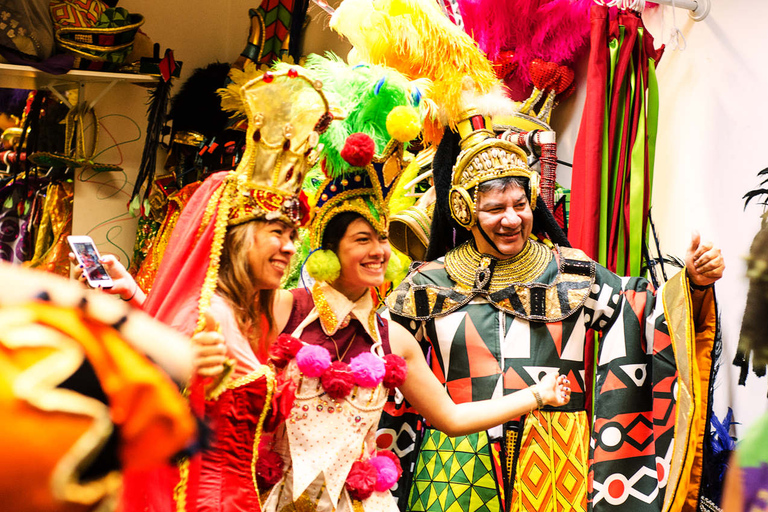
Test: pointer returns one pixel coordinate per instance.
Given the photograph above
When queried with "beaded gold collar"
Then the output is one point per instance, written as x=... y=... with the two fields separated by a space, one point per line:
x=556 y=292
x=472 y=270
x=335 y=310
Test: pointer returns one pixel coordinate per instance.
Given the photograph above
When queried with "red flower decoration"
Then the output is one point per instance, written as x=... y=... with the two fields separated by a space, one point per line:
x=361 y=480
x=284 y=349
x=358 y=150
x=282 y=401
x=269 y=468
x=338 y=380
x=396 y=370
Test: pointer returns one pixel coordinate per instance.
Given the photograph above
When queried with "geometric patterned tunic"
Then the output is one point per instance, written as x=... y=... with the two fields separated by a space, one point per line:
x=611 y=447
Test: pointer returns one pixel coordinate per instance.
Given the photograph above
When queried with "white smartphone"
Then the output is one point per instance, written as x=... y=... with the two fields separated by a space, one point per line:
x=88 y=256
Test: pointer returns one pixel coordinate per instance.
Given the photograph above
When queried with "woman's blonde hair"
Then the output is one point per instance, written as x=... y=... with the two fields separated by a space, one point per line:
x=252 y=307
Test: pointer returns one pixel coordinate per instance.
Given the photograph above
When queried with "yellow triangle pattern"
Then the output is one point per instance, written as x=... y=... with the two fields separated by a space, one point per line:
x=552 y=466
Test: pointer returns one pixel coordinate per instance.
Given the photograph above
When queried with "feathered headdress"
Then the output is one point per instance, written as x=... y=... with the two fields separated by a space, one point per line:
x=363 y=154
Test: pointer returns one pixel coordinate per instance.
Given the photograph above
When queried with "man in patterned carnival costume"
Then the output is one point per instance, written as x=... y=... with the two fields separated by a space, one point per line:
x=501 y=310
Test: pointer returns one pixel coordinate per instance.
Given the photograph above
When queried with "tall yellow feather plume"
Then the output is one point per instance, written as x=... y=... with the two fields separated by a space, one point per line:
x=416 y=38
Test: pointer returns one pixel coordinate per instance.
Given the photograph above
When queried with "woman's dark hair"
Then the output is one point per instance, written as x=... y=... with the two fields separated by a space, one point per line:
x=336 y=228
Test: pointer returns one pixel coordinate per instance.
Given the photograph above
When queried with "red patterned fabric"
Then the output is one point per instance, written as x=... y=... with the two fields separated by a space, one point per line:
x=77 y=13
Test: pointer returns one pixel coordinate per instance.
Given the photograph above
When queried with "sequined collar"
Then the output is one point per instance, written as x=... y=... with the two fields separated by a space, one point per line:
x=475 y=271
x=335 y=310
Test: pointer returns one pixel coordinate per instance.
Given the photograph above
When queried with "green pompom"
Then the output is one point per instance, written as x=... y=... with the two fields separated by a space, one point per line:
x=324 y=266
x=397 y=268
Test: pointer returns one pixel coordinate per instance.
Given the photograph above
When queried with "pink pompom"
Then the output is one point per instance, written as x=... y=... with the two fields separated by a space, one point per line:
x=361 y=480
x=394 y=458
x=368 y=370
x=337 y=380
x=313 y=360
x=387 y=473
x=358 y=150
x=396 y=370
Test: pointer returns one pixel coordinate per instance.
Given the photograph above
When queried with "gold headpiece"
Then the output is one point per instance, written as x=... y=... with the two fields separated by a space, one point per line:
x=483 y=158
x=286 y=112
x=365 y=190
x=551 y=83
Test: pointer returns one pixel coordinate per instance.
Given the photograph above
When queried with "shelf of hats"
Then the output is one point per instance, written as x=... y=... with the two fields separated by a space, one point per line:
x=68 y=76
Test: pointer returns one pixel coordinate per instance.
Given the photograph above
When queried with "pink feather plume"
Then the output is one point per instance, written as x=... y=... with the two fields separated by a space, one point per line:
x=551 y=30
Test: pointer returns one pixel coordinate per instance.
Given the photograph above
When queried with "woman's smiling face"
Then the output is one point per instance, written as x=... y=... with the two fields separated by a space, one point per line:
x=271 y=253
x=363 y=255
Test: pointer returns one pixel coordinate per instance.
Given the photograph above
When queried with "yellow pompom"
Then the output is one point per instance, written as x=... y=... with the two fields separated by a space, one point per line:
x=323 y=266
x=403 y=123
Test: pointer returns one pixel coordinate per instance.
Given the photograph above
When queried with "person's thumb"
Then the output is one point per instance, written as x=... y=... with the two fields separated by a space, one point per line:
x=211 y=325
x=108 y=261
x=695 y=240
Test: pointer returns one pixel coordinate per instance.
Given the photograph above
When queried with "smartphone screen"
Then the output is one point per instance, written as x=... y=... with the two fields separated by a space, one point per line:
x=88 y=257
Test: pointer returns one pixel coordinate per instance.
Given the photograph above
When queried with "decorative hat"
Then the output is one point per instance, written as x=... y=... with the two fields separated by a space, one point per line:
x=285 y=111
x=483 y=158
x=363 y=155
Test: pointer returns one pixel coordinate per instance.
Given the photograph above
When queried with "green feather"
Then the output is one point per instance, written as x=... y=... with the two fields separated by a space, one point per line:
x=354 y=90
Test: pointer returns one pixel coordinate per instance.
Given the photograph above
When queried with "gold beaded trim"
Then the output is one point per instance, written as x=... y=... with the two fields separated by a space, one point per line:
x=219 y=233
x=180 y=491
x=461 y=264
x=325 y=311
x=210 y=208
x=269 y=373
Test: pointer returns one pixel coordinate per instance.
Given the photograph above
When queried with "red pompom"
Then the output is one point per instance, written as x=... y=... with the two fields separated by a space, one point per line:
x=269 y=468
x=282 y=401
x=396 y=370
x=391 y=455
x=361 y=480
x=338 y=380
x=358 y=150
x=304 y=209
x=284 y=349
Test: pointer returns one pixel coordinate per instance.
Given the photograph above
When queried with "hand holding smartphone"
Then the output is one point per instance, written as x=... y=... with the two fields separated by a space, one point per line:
x=88 y=256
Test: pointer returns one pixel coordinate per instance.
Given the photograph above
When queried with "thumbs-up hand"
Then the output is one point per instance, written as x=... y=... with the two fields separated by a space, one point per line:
x=209 y=352
x=703 y=261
